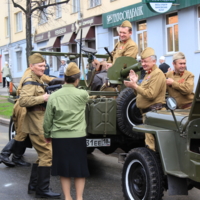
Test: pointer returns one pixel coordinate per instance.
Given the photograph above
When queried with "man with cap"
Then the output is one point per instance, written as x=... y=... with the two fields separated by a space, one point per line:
x=163 y=66
x=180 y=82
x=33 y=97
x=126 y=46
x=65 y=126
x=151 y=92
x=17 y=146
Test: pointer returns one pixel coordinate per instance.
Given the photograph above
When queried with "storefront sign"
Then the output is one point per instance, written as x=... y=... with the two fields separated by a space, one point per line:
x=160 y=7
x=160 y=1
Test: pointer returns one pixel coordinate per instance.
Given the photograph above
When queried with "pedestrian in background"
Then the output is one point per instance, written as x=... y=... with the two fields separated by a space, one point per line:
x=65 y=126
x=163 y=66
x=62 y=68
x=5 y=73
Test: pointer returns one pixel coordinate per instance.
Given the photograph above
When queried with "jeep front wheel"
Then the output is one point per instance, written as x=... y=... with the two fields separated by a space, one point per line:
x=142 y=177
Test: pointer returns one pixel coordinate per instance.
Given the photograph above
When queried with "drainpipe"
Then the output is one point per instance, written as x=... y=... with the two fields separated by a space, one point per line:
x=9 y=29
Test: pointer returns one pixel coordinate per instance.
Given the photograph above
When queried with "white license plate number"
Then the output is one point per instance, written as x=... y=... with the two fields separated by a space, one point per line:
x=98 y=142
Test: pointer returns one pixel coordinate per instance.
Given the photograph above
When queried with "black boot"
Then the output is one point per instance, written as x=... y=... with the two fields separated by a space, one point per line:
x=18 y=151
x=42 y=189
x=33 y=179
x=6 y=152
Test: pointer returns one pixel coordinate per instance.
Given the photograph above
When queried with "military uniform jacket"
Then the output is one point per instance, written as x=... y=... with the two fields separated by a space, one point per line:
x=44 y=77
x=128 y=48
x=152 y=89
x=182 y=87
x=31 y=95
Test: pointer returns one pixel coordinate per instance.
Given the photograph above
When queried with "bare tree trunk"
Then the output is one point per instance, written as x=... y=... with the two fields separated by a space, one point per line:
x=28 y=30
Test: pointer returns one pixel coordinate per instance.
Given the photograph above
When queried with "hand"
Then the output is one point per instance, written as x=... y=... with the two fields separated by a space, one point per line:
x=48 y=140
x=169 y=81
x=46 y=97
x=133 y=76
x=130 y=84
x=169 y=69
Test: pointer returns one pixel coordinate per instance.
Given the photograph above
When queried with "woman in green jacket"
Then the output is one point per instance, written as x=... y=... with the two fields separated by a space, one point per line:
x=65 y=126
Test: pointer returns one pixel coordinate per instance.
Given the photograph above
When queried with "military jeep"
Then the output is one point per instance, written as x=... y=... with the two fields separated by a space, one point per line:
x=114 y=121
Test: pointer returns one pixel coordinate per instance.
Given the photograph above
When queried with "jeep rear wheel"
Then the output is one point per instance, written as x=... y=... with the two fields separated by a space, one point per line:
x=11 y=131
x=142 y=177
x=128 y=115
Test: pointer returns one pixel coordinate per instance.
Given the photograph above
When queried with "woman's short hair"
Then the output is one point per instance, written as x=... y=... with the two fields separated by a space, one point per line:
x=73 y=78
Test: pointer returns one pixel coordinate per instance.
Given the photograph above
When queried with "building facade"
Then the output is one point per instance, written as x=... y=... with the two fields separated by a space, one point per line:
x=178 y=29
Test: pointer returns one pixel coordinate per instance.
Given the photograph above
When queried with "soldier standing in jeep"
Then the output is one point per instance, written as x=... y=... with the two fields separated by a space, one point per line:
x=180 y=82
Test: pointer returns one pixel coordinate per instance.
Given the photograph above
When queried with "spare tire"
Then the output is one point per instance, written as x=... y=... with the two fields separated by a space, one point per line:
x=128 y=115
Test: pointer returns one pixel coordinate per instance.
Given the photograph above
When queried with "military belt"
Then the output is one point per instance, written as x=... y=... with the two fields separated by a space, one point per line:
x=156 y=106
x=36 y=108
x=187 y=105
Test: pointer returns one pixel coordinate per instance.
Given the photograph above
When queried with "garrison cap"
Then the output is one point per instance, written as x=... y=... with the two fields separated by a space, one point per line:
x=178 y=55
x=147 y=52
x=72 y=69
x=126 y=24
x=36 y=58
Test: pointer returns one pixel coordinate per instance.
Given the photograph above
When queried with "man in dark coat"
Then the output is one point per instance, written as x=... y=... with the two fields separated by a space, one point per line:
x=163 y=66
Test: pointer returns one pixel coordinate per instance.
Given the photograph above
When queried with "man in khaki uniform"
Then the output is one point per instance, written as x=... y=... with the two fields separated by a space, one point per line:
x=180 y=82
x=151 y=92
x=33 y=97
x=126 y=46
x=17 y=145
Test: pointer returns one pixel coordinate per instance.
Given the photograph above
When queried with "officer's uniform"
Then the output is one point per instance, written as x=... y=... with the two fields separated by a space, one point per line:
x=151 y=93
x=31 y=97
x=20 y=112
x=183 y=85
x=125 y=48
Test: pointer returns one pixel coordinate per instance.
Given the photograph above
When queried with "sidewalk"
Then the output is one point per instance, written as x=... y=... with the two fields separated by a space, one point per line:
x=4 y=92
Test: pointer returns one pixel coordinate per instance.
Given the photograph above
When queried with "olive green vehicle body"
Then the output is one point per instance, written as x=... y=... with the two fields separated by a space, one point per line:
x=178 y=143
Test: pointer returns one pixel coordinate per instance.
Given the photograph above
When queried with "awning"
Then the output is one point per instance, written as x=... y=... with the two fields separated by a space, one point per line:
x=68 y=39
x=88 y=33
x=53 y=42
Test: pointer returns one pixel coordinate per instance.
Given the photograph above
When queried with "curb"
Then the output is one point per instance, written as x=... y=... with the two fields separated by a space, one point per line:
x=4 y=121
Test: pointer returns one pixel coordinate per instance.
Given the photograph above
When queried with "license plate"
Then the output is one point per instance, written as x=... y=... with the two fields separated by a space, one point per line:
x=98 y=142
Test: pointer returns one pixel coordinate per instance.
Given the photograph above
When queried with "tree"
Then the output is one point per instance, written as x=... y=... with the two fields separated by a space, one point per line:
x=32 y=6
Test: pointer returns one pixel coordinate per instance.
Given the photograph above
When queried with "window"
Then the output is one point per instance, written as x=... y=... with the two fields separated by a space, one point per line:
x=115 y=37
x=19 y=60
x=141 y=36
x=94 y=3
x=199 y=25
x=76 y=6
x=58 y=9
x=172 y=33
x=18 y=21
x=7 y=27
x=43 y=16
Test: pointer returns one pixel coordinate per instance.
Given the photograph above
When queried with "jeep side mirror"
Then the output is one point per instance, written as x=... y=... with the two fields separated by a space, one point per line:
x=171 y=103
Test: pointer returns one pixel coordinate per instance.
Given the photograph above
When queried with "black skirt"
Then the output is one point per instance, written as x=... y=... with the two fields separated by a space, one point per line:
x=69 y=157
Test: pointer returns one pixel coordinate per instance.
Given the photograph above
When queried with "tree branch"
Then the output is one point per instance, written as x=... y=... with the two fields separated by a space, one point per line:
x=16 y=5
x=48 y=5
